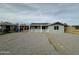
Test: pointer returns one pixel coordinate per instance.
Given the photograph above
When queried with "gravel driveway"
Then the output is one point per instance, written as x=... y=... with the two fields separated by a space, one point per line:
x=25 y=43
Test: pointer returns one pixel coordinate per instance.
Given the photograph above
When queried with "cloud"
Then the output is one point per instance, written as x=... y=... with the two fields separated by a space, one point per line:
x=42 y=12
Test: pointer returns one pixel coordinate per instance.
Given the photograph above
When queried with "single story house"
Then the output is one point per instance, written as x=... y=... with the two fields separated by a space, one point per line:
x=34 y=27
x=39 y=27
x=56 y=27
x=7 y=27
x=47 y=27
x=24 y=27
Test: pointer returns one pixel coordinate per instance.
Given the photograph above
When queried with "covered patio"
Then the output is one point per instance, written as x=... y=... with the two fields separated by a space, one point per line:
x=39 y=27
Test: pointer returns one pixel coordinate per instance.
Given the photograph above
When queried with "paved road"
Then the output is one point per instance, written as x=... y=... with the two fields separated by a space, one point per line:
x=67 y=42
x=25 y=43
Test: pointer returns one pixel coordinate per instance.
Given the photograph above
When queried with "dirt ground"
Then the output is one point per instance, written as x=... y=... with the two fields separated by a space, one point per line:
x=65 y=43
x=26 y=43
x=31 y=43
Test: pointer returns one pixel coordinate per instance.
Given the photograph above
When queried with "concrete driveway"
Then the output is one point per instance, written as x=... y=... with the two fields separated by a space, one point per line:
x=65 y=43
x=26 y=43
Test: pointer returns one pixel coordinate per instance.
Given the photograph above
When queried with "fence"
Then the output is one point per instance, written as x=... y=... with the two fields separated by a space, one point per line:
x=71 y=30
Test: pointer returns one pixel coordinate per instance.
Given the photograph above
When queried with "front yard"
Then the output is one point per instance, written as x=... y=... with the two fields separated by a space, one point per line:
x=31 y=43
x=26 y=43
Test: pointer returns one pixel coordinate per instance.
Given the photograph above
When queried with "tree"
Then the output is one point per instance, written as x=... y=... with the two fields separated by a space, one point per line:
x=66 y=25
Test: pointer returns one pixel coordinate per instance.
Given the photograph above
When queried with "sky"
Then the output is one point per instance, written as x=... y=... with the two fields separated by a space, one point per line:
x=40 y=13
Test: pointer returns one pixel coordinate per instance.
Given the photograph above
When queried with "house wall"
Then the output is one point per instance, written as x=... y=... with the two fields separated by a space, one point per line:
x=35 y=30
x=49 y=29
x=38 y=30
x=61 y=29
x=3 y=28
x=12 y=28
x=46 y=30
x=0 y=29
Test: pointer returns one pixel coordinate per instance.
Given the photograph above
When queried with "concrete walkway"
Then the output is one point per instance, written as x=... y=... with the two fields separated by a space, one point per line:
x=26 y=43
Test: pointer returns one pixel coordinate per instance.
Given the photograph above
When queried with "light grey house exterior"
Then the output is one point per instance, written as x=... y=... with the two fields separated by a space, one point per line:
x=56 y=27
x=39 y=27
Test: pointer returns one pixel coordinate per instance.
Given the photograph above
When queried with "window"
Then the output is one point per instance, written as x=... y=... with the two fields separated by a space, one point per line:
x=56 y=27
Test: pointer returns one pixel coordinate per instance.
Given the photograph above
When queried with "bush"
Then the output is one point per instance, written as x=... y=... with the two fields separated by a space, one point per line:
x=76 y=27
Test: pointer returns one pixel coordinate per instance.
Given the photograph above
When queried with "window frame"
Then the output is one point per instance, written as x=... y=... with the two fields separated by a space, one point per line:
x=56 y=27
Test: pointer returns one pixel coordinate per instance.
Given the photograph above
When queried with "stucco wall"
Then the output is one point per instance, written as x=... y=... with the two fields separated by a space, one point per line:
x=35 y=30
x=50 y=29
x=61 y=29
x=39 y=30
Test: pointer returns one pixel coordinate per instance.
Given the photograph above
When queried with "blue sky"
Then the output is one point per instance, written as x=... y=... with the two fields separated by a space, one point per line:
x=45 y=12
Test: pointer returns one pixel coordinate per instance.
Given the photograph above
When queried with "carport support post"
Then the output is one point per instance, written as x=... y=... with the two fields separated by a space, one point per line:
x=41 y=28
x=29 y=28
x=19 y=27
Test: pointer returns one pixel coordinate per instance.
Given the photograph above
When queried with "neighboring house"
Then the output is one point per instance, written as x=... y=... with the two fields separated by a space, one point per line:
x=39 y=27
x=7 y=27
x=46 y=27
x=24 y=27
